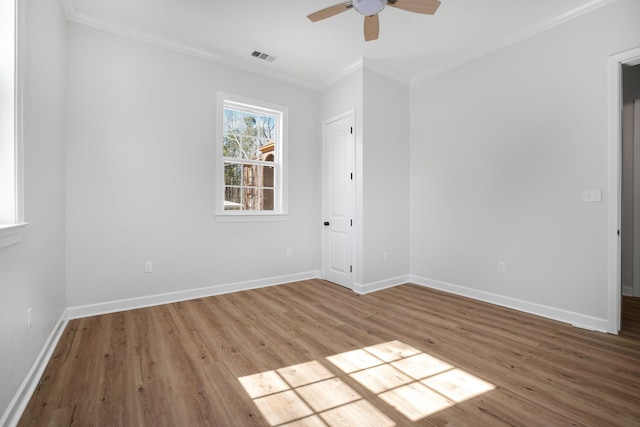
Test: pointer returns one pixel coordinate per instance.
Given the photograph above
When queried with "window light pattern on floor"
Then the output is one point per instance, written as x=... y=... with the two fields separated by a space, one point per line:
x=412 y=382
x=416 y=384
x=309 y=394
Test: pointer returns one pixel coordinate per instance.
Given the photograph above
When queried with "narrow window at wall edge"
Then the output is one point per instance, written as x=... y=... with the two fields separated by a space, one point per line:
x=11 y=169
x=251 y=159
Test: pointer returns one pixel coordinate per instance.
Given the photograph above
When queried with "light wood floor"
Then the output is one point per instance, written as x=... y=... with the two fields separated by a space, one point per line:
x=316 y=353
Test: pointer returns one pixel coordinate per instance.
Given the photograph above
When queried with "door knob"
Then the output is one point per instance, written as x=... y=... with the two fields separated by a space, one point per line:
x=326 y=223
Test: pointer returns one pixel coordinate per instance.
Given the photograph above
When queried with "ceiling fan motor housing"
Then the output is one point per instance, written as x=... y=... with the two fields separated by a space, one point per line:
x=369 y=7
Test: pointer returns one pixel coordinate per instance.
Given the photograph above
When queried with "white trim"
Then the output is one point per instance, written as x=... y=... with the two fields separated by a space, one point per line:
x=20 y=70
x=75 y=16
x=369 y=64
x=171 y=297
x=12 y=122
x=11 y=234
x=20 y=400
x=80 y=18
x=515 y=38
x=392 y=74
x=368 y=288
x=627 y=291
x=69 y=8
x=249 y=217
x=342 y=74
x=576 y=319
x=614 y=142
x=614 y=187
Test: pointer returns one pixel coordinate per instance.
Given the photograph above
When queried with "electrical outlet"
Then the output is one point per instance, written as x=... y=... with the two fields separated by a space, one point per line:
x=29 y=319
x=148 y=267
x=289 y=252
x=385 y=256
x=502 y=266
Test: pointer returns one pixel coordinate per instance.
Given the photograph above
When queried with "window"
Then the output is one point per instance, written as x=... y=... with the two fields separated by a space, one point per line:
x=251 y=159
x=11 y=217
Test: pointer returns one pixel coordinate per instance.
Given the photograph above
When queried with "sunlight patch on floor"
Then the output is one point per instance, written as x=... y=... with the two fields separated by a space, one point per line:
x=412 y=382
x=308 y=394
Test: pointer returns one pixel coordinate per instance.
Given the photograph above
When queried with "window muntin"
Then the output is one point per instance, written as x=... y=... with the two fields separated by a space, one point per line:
x=251 y=157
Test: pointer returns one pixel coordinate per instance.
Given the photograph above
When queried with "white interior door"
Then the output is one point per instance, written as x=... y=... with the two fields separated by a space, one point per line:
x=338 y=200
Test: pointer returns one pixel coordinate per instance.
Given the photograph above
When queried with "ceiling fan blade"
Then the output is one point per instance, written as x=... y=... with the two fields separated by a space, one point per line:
x=330 y=11
x=371 y=27
x=428 y=7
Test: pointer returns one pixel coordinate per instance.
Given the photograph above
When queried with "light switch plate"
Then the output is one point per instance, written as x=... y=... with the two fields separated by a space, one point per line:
x=592 y=195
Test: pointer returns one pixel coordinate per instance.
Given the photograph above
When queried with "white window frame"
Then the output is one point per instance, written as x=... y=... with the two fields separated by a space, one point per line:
x=280 y=208
x=12 y=221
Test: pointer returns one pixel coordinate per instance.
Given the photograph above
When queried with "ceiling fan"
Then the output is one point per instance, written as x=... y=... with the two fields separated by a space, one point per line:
x=370 y=10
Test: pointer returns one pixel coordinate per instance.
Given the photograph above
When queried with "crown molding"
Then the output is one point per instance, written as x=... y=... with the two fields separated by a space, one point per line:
x=515 y=38
x=369 y=64
x=358 y=65
x=75 y=16
x=390 y=73
x=69 y=8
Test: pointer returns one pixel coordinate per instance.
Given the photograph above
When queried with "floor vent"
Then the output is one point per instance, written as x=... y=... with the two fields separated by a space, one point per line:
x=262 y=55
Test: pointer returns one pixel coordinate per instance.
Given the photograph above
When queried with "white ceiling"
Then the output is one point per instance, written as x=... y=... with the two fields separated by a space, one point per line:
x=411 y=46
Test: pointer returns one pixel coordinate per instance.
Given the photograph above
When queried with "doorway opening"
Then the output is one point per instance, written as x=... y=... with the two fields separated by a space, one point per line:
x=621 y=210
x=630 y=196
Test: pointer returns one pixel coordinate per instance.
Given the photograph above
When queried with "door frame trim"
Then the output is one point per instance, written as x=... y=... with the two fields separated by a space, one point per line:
x=353 y=239
x=614 y=292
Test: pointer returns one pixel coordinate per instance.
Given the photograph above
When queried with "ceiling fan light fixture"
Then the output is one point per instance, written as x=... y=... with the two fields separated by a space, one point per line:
x=369 y=7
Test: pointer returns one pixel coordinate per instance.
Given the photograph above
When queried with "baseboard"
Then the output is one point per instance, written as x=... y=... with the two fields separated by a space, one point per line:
x=378 y=286
x=627 y=291
x=575 y=319
x=166 y=298
x=23 y=395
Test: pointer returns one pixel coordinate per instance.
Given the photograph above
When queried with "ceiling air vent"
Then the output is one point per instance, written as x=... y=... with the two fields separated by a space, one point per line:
x=262 y=55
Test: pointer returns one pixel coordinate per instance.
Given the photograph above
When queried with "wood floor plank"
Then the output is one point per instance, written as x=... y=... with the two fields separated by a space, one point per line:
x=182 y=363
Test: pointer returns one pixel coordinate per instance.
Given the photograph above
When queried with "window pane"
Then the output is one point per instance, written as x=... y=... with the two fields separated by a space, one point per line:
x=232 y=133
x=231 y=145
x=257 y=199
x=267 y=153
x=267 y=199
x=257 y=176
x=251 y=175
x=248 y=135
x=248 y=187
x=267 y=176
x=232 y=198
x=232 y=174
x=252 y=199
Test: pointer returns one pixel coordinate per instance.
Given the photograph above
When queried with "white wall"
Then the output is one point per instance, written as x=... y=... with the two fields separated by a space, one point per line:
x=32 y=271
x=501 y=150
x=141 y=168
x=386 y=178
